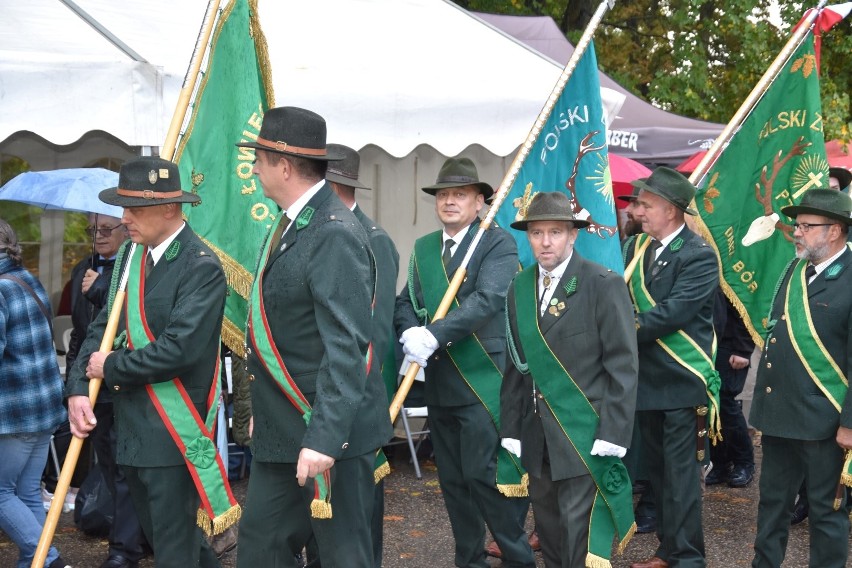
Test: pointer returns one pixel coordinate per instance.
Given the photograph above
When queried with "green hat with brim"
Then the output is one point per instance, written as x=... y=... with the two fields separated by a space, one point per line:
x=147 y=181
x=549 y=206
x=345 y=171
x=459 y=172
x=671 y=186
x=824 y=202
x=292 y=131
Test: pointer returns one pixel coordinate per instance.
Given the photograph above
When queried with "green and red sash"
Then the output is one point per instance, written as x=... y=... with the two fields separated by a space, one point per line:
x=192 y=435
x=681 y=347
x=469 y=357
x=612 y=510
x=815 y=358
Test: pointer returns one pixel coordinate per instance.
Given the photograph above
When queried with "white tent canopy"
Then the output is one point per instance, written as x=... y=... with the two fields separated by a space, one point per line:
x=392 y=73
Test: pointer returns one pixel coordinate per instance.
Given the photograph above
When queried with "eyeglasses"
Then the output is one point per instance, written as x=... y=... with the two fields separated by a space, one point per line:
x=805 y=227
x=103 y=231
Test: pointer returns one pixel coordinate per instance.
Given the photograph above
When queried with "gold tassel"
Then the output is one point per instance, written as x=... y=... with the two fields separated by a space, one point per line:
x=623 y=544
x=381 y=472
x=516 y=490
x=234 y=338
x=320 y=509
x=220 y=523
x=595 y=561
x=846 y=479
x=202 y=519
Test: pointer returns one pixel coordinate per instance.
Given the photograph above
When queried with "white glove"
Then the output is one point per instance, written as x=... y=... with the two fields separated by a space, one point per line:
x=411 y=359
x=512 y=445
x=419 y=343
x=602 y=448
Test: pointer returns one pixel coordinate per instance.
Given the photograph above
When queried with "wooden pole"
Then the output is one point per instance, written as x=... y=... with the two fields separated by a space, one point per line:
x=503 y=191
x=77 y=443
x=167 y=152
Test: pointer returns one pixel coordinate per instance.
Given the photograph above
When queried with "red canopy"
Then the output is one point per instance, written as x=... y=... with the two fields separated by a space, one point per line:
x=623 y=171
x=688 y=166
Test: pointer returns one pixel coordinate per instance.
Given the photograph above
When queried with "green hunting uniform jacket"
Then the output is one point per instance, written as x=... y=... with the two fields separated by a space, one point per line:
x=317 y=289
x=682 y=282
x=787 y=402
x=184 y=302
x=595 y=340
x=481 y=299
x=387 y=268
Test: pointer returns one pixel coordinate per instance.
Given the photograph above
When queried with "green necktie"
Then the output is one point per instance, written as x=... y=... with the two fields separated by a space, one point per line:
x=447 y=254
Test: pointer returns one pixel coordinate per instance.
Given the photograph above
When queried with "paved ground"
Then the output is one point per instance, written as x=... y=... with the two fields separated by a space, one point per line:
x=417 y=533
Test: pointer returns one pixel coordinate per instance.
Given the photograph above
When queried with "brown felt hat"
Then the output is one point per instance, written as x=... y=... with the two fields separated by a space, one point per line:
x=549 y=206
x=345 y=171
x=459 y=172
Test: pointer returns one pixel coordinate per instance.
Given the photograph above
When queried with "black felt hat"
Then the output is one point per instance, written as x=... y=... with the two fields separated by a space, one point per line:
x=459 y=172
x=824 y=202
x=671 y=186
x=844 y=176
x=633 y=196
x=293 y=131
x=147 y=181
x=549 y=206
x=345 y=171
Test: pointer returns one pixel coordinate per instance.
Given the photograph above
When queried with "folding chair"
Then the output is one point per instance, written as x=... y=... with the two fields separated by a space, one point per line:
x=421 y=434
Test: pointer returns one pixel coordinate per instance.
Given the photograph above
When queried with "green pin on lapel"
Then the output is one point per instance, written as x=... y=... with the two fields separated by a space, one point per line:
x=173 y=251
x=571 y=286
x=304 y=218
x=676 y=244
x=834 y=271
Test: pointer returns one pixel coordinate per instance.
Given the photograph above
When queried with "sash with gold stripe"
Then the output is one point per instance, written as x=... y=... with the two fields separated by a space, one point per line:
x=612 y=511
x=467 y=355
x=192 y=434
x=681 y=347
x=815 y=358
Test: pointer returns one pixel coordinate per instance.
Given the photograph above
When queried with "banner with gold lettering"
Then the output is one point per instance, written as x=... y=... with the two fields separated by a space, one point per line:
x=233 y=216
x=776 y=156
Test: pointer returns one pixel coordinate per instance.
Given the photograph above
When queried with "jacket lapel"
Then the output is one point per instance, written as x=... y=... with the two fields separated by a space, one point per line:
x=291 y=235
x=461 y=250
x=163 y=266
x=560 y=302
x=832 y=272
x=667 y=255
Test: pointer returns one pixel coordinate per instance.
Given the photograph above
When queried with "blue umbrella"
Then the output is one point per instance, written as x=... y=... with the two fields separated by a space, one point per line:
x=74 y=189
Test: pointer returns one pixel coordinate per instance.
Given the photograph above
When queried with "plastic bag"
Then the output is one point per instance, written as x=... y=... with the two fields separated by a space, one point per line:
x=94 y=508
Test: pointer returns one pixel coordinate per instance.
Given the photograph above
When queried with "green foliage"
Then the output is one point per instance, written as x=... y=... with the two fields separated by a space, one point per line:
x=697 y=58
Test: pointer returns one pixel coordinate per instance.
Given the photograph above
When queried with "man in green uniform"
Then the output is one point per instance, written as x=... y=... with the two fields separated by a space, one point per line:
x=568 y=396
x=163 y=371
x=318 y=421
x=343 y=177
x=800 y=399
x=673 y=290
x=463 y=355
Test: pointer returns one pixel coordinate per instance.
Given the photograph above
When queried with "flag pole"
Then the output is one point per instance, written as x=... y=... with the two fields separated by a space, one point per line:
x=167 y=152
x=77 y=443
x=739 y=117
x=503 y=191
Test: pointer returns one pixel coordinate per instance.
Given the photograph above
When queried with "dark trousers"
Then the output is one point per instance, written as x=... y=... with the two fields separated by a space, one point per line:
x=277 y=520
x=562 y=512
x=785 y=464
x=669 y=438
x=166 y=502
x=736 y=447
x=465 y=442
x=125 y=537
x=634 y=461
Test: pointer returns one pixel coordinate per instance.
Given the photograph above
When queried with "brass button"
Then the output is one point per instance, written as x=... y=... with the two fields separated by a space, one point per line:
x=783 y=316
x=773 y=340
x=251 y=377
x=540 y=396
x=116 y=387
x=344 y=446
x=248 y=350
x=768 y=390
x=449 y=343
x=769 y=365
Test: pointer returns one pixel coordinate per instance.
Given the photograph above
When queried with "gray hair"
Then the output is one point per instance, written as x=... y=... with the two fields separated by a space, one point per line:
x=9 y=242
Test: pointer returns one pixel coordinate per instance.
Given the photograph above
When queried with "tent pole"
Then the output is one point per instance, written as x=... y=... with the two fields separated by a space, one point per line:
x=503 y=191
x=167 y=152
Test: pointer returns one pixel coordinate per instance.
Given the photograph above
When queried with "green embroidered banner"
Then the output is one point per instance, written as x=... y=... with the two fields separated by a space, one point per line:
x=233 y=216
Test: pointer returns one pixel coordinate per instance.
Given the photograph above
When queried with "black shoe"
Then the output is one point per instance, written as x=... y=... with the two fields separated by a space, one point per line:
x=716 y=476
x=118 y=561
x=646 y=524
x=800 y=513
x=740 y=476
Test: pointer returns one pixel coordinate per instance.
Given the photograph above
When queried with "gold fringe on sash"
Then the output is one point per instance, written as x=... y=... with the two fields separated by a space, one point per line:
x=320 y=509
x=234 y=338
x=623 y=544
x=220 y=523
x=595 y=561
x=846 y=475
x=381 y=472
x=516 y=490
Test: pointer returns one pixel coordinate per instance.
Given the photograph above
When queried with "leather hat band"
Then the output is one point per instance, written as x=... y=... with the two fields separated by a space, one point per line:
x=284 y=147
x=148 y=194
